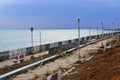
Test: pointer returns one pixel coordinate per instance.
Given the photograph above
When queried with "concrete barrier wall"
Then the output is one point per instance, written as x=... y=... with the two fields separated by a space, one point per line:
x=52 y=47
x=4 y=55
x=14 y=53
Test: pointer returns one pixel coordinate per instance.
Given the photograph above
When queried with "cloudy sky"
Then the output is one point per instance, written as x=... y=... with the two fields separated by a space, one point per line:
x=49 y=14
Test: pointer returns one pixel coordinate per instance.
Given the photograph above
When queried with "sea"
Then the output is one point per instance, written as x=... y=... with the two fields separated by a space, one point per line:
x=15 y=39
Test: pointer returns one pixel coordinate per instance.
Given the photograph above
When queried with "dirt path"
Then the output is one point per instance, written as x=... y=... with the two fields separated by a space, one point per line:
x=61 y=62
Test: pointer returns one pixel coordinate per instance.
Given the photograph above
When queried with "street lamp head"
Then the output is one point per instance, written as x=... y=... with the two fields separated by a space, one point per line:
x=78 y=19
x=31 y=29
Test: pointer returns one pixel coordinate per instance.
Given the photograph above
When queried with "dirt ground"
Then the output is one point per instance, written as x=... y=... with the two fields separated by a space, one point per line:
x=9 y=65
x=66 y=62
x=104 y=66
x=10 y=62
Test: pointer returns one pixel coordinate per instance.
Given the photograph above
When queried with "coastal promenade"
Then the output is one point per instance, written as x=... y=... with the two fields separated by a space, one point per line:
x=86 y=45
x=65 y=62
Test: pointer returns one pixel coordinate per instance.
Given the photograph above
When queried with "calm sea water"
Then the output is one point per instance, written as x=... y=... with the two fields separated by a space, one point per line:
x=14 y=39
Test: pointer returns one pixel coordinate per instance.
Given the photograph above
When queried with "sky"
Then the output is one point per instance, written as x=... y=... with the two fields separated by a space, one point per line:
x=58 y=14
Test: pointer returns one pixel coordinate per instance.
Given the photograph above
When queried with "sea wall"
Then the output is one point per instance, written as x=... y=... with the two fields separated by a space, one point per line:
x=52 y=47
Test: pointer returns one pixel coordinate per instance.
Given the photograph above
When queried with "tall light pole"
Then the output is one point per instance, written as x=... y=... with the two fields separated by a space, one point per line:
x=31 y=29
x=112 y=28
x=40 y=37
x=97 y=32
x=40 y=40
x=108 y=30
x=79 y=36
x=89 y=33
x=118 y=27
x=102 y=29
x=118 y=30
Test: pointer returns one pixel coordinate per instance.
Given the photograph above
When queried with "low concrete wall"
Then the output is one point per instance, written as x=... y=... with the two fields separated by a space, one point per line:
x=4 y=55
x=52 y=47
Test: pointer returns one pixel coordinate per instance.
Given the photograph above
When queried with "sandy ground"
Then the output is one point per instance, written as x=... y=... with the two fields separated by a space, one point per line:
x=11 y=61
x=61 y=62
x=104 y=66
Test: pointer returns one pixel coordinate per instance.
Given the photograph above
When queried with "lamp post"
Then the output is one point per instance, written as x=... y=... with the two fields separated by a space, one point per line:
x=97 y=32
x=118 y=28
x=108 y=30
x=31 y=29
x=89 y=33
x=112 y=28
x=40 y=37
x=79 y=36
x=102 y=28
x=40 y=40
